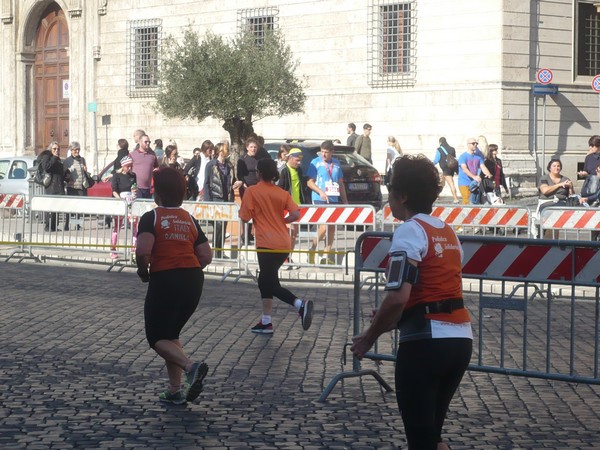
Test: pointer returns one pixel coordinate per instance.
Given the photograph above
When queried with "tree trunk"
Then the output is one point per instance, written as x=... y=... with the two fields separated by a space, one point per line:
x=239 y=129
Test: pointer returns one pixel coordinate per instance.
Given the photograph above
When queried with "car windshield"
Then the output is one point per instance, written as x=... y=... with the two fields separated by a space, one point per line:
x=4 y=167
x=351 y=159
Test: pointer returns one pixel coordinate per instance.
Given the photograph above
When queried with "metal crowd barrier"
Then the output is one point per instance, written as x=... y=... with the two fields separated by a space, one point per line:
x=61 y=226
x=570 y=223
x=219 y=221
x=12 y=224
x=346 y=222
x=485 y=220
x=517 y=331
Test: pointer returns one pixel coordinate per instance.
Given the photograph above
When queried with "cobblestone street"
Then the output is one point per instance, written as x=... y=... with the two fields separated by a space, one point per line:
x=76 y=372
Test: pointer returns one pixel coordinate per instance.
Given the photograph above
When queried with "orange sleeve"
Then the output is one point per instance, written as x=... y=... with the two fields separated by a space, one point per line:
x=247 y=208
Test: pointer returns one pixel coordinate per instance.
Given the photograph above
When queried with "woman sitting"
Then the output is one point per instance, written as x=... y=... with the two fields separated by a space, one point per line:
x=555 y=188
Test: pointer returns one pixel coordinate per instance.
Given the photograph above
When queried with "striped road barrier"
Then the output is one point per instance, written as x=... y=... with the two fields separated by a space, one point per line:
x=519 y=332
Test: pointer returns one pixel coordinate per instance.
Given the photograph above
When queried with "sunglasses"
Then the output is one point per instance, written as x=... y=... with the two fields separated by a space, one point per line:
x=473 y=143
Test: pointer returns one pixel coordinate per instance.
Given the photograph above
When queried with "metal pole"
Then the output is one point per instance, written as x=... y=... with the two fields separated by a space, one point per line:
x=95 y=142
x=535 y=137
x=544 y=134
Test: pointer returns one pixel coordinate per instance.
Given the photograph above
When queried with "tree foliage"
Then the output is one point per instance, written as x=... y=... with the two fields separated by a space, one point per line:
x=236 y=81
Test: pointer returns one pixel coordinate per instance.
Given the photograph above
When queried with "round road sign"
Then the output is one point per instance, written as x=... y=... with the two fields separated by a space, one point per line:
x=596 y=83
x=544 y=76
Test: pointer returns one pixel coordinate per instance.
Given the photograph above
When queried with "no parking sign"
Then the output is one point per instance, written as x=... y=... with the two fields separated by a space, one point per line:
x=596 y=83
x=544 y=76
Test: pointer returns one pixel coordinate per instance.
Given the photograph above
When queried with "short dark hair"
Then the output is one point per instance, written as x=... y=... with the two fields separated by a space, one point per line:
x=251 y=140
x=595 y=142
x=367 y=126
x=352 y=125
x=327 y=145
x=592 y=139
x=415 y=177
x=123 y=144
x=267 y=169
x=158 y=143
x=552 y=161
x=170 y=186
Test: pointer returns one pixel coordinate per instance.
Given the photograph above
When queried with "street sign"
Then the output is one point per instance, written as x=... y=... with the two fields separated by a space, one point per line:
x=544 y=76
x=545 y=89
x=596 y=83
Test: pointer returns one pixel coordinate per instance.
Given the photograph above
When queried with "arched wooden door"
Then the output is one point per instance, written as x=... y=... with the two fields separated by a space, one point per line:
x=51 y=74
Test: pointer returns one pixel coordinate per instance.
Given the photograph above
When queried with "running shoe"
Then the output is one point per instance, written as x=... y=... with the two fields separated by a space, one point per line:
x=194 y=381
x=176 y=399
x=306 y=313
x=262 y=329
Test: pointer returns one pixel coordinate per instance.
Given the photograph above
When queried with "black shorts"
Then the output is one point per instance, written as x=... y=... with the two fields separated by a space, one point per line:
x=448 y=172
x=172 y=298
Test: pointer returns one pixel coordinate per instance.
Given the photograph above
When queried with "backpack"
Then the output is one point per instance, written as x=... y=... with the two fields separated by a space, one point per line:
x=42 y=177
x=451 y=161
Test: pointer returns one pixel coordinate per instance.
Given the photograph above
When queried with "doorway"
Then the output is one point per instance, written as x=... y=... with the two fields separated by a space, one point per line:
x=51 y=75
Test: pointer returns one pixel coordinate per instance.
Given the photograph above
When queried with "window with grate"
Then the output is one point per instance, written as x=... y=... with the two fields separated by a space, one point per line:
x=258 y=22
x=391 y=41
x=588 y=40
x=143 y=57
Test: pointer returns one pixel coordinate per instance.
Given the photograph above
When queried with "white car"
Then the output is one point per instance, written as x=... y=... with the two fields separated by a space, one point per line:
x=15 y=174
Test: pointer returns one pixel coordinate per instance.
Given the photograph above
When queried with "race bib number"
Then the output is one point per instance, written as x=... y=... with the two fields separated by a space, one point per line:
x=332 y=189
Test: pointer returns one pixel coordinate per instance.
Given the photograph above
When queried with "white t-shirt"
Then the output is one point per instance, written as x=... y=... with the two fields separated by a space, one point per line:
x=412 y=238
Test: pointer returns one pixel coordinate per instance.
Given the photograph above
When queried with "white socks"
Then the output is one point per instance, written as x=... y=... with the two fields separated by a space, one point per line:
x=266 y=320
x=298 y=304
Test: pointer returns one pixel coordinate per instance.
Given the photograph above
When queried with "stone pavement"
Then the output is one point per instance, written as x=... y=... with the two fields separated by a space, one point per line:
x=76 y=372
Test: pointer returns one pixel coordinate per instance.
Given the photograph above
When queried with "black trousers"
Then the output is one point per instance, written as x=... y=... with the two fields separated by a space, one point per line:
x=268 y=278
x=428 y=372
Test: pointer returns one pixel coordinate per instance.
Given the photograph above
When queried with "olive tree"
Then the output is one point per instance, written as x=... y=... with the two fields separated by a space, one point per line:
x=237 y=81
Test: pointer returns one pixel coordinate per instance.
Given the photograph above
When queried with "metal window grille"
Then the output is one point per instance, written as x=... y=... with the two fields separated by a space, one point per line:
x=258 y=22
x=143 y=57
x=392 y=43
x=588 y=61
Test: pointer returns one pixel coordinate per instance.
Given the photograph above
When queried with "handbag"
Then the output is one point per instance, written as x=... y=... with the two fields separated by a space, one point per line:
x=451 y=161
x=487 y=184
x=88 y=181
x=572 y=201
x=42 y=177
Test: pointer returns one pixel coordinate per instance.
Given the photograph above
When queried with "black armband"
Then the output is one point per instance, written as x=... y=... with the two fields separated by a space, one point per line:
x=399 y=270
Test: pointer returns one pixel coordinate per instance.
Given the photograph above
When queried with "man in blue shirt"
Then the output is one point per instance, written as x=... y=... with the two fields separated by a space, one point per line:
x=469 y=165
x=326 y=181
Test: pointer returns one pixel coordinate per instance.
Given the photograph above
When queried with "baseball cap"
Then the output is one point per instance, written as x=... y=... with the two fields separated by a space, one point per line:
x=295 y=152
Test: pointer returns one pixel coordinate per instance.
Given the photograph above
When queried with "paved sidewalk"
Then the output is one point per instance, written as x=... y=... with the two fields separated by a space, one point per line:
x=76 y=372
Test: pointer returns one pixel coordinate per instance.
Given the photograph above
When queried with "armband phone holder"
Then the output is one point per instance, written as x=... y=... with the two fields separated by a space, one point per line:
x=399 y=270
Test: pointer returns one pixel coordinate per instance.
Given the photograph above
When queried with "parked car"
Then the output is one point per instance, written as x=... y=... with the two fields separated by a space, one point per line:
x=15 y=174
x=102 y=186
x=362 y=180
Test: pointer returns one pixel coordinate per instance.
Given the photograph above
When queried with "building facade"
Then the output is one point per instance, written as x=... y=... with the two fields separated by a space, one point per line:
x=415 y=69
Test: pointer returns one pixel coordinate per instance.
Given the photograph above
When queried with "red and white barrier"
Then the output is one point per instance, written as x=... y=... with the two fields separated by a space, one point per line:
x=337 y=214
x=578 y=219
x=535 y=262
x=374 y=252
x=11 y=200
x=483 y=215
x=498 y=216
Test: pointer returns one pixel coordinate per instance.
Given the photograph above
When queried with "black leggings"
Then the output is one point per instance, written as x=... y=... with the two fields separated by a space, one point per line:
x=428 y=372
x=268 y=278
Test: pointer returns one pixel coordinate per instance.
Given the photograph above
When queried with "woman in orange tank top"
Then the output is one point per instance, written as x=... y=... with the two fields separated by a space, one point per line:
x=426 y=306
